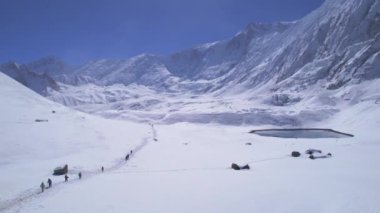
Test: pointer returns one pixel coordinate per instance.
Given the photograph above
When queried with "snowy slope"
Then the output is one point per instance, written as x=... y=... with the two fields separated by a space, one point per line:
x=30 y=150
x=186 y=170
x=140 y=103
x=183 y=167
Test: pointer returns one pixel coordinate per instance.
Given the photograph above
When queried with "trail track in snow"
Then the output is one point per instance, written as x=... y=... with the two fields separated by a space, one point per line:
x=176 y=170
x=34 y=192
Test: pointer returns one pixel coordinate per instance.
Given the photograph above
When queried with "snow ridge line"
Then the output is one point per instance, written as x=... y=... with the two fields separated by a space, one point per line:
x=32 y=193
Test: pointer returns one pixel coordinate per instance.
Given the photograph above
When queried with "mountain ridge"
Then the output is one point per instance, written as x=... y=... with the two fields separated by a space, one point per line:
x=284 y=64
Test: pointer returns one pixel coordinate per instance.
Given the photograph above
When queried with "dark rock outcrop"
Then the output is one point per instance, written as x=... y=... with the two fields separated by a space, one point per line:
x=234 y=166
x=296 y=154
x=61 y=170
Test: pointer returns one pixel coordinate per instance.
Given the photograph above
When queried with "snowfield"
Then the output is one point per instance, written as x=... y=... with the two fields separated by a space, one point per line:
x=186 y=117
x=30 y=150
x=182 y=167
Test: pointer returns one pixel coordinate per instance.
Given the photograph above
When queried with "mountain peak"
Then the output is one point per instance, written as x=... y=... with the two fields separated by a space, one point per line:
x=258 y=28
x=50 y=65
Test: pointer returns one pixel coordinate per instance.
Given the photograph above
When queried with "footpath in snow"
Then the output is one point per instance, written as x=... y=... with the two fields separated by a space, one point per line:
x=32 y=193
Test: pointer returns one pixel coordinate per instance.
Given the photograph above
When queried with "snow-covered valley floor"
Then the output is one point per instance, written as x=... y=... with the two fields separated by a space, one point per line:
x=182 y=167
x=186 y=170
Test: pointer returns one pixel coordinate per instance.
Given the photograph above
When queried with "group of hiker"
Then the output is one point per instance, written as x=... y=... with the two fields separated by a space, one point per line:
x=43 y=184
x=313 y=154
x=50 y=182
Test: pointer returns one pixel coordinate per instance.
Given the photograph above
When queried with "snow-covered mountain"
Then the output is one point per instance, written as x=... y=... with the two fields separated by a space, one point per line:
x=337 y=43
x=143 y=69
x=310 y=68
x=205 y=62
x=40 y=83
x=307 y=68
x=50 y=65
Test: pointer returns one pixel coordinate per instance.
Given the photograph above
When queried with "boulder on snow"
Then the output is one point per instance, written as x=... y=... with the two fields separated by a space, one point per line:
x=41 y=120
x=245 y=167
x=234 y=166
x=248 y=144
x=61 y=170
x=296 y=154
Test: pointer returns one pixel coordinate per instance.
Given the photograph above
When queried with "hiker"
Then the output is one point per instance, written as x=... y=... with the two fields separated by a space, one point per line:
x=131 y=151
x=102 y=169
x=66 y=178
x=80 y=175
x=49 y=182
x=42 y=186
x=127 y=157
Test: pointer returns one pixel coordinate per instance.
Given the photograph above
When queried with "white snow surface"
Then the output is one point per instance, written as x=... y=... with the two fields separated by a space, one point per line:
x=31 y=150
x=186 y=117
x=181 y=167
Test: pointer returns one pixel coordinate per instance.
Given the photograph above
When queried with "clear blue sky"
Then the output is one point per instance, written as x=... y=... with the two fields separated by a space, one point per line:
x=81 y=30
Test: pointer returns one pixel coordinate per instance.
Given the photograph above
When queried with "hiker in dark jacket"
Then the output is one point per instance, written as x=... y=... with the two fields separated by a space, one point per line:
x=42 y=186
x=102 y=169
x=127 y=157
x=49 y=182
x=80 y=175
x=66 y=178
